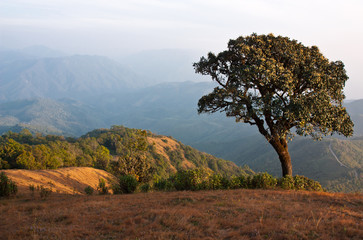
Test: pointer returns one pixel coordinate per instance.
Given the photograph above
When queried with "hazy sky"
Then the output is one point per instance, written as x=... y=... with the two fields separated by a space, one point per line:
x=119 y=27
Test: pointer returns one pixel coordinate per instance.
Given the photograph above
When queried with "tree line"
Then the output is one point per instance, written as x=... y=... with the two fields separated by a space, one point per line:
x=118 y=150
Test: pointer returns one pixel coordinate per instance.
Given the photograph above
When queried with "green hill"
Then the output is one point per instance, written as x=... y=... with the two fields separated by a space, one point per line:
x=114 y=150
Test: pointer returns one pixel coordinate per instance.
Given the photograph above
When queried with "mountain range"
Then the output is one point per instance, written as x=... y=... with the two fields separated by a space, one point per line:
x=71 y=95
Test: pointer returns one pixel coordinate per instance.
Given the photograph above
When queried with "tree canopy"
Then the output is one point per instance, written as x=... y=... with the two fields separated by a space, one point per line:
x=279 y=85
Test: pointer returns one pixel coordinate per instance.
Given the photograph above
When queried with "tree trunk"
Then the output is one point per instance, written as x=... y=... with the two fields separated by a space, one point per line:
x=280 y=146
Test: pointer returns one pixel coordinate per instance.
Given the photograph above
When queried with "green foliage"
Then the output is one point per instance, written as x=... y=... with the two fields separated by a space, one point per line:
x=200 y=179
x=44 y=192
x=88 y=190
x=195 y=179
x=263 y=180
x=102 y=158
x=281 y=78
x=145 y=187
x=234 y=182
x=119 y=150
x=7 y=186
x=126 y=184
x=278 y=85
x=164 y=185
x=304 y=183
x=287 y=182
x=215 y=181
x=102 y=188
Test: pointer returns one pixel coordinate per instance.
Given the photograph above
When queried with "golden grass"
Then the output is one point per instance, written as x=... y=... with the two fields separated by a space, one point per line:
x=161 y=145
x=224 y=214
x=71 y=180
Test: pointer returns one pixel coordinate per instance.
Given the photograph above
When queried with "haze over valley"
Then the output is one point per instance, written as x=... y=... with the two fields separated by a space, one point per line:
x=48 y=92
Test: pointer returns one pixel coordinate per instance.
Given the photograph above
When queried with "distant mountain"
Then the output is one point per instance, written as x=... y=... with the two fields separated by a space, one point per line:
x=165 y=65
x=67 y=117
x=98 y=92
x=169 y=109
x=355 y=109
x=32 y=52
x=64 y=77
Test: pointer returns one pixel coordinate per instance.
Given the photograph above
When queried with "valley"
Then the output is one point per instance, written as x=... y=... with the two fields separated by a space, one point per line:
x=164 y=108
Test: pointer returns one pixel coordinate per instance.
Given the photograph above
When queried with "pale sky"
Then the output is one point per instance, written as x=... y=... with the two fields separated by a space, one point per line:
x=118 y=27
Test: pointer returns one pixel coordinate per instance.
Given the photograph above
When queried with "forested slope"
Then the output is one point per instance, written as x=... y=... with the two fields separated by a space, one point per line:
x=118 y=150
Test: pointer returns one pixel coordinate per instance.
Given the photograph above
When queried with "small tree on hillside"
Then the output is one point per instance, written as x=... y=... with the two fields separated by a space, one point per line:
x=278 y=85
x=132 y=156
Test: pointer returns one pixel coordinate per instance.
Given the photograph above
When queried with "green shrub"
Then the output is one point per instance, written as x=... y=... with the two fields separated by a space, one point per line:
x=304 y=183
x=300 y=182
x=286 y=182
x=126 y=184
x=145 y=187
x=263 y=180
x=44 y=192
x=234 y=183
x=102 y=188
x=215 y=182
x=89 y=190
x=7 y=186
x=244 y=182
x=195 y=179
x=164 y=185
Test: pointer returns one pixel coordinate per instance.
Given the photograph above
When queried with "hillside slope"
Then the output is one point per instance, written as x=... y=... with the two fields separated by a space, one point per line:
x=71 y=180
x=61 y=77
x=63 y=117
x=119 y=150
x=313 y=159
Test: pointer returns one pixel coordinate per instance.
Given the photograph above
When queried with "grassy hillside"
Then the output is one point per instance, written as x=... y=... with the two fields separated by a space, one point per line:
x=224 y=214
x=118 y=150
x=71 y=180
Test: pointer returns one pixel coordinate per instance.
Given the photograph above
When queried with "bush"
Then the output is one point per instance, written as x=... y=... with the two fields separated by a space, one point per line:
x=7 y=186
x=263 y=180
x=287 y=182
x=215 y=182
x=89 y=190
x=304 y=183
x=163 y=185
x=244 y=181
x=126 y=184
x=234 y=183
x=195 y=179
x=44 y=192
x=145 y=187
x=102 y=188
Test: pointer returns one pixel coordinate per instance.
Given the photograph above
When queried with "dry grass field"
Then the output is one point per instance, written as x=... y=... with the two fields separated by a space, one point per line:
x=223 y=214
x=72 y=180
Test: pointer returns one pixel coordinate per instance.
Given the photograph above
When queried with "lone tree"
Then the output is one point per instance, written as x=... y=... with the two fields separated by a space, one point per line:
x=280 y=86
